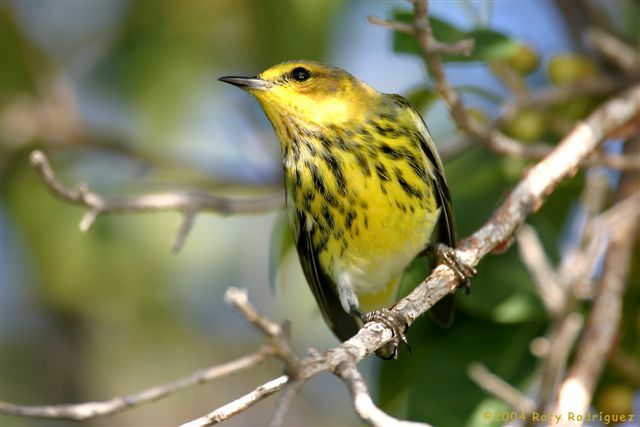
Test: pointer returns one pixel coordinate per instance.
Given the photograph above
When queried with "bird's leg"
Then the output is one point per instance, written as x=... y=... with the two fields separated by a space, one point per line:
x=394 y=321
x=446 y=254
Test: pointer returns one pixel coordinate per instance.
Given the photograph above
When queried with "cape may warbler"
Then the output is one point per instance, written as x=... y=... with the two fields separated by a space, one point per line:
x=365 y=189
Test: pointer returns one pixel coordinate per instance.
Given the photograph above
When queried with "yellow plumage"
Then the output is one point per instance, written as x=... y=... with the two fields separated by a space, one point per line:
x=365 y=186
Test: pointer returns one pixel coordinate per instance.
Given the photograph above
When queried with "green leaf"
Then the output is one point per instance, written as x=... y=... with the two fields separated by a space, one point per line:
x=489 y=44
x=279 y=246
x=444 y=31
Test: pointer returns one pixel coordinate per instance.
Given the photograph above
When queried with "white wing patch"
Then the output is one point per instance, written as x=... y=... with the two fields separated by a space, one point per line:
x=308 y=223
x=347 y=294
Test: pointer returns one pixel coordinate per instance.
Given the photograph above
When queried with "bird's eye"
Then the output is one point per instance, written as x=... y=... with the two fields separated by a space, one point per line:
x=300 y=74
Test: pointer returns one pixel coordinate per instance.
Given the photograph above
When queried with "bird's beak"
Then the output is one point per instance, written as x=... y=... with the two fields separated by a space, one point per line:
x=247 y=83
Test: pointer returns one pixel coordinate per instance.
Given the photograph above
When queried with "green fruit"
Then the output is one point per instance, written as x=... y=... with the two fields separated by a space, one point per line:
x=527 y=125
x=524 y=60
x=571 y=68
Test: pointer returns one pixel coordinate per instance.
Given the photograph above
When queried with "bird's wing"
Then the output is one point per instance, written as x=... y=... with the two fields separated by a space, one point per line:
x=325 y=291
x=447 y=226
x=446 y=231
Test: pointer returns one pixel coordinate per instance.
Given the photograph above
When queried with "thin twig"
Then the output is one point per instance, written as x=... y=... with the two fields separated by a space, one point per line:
x=575 y=270
x=461 y=143
x=241 y=404
x=401 y=27
x=615 y=161
x=579 y=265
x=498 y=387
x=462 y=47
x=433 y=61
x=279 y=335
x=597 y=234
x=622 y=212
x=362 y=402
x=614 y=49
x=535 y=259
x=189 y=203
x=89 y=410
x=239 y=300
x=561 y=341
x=545 y=97
x=284 y=402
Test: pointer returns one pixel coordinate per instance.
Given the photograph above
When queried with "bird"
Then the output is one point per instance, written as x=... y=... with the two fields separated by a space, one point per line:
x=365 y=192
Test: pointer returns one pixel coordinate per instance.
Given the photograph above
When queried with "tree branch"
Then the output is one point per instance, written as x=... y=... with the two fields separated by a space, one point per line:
x=279 y=335
x=284 y=402
x=240 y=405
x=189 y=203
x=618 y=52
x=536 y=261
x=498 y=387
x=89 y=410
x=547 y=96
x=560 y=342
x=362 y=402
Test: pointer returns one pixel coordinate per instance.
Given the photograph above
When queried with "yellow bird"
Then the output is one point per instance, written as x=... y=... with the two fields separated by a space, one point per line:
x=365 y=191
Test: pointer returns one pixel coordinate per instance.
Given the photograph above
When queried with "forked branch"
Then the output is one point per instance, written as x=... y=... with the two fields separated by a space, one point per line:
x=187 y=203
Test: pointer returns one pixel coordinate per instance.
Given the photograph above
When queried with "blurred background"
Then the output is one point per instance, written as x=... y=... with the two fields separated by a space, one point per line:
x=124 y=96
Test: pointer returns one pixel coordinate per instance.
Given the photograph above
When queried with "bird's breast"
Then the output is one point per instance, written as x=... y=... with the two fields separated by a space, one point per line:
x=367 y=202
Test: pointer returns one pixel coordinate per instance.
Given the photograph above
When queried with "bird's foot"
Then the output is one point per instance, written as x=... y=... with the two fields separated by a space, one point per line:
x=397 y=323
x=448 y=255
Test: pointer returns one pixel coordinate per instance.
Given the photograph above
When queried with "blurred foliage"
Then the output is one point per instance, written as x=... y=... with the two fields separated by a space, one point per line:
x=116 y=296
x=281 y=243
x=489 y=44
x=18 y=76
x=423 y=97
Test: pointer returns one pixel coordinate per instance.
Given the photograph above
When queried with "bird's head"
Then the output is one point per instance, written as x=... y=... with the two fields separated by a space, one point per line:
x=309 y=93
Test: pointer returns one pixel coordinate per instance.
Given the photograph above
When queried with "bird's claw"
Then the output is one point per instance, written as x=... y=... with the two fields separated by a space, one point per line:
x=461 y=269
x=397 y=323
